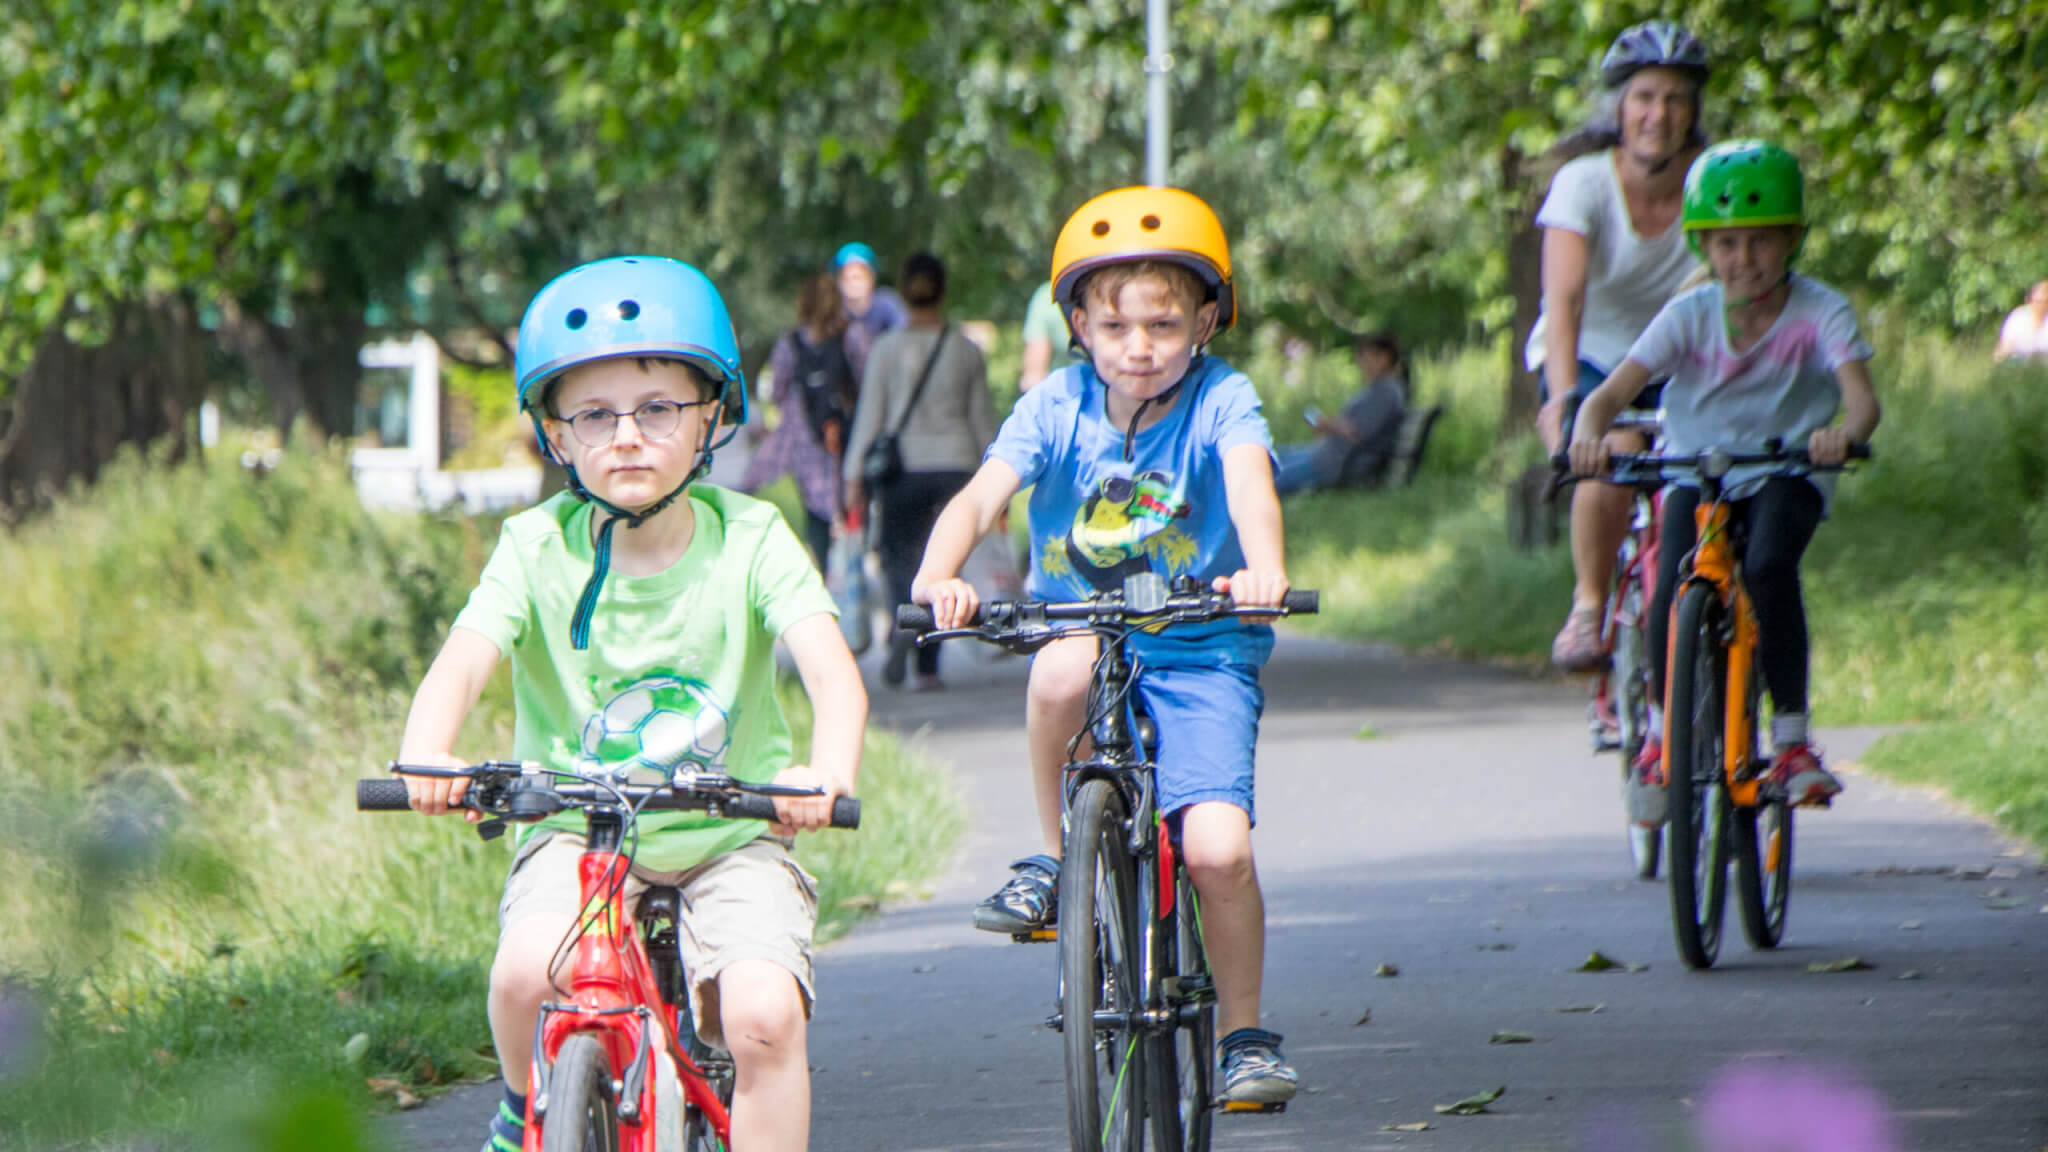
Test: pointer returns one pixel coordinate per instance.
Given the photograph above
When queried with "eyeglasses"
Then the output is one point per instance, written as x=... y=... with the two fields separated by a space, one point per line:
x=656 y=420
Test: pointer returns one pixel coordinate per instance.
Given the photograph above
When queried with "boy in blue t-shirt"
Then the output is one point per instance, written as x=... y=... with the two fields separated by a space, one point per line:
x=1148 y=456
x=628 y=368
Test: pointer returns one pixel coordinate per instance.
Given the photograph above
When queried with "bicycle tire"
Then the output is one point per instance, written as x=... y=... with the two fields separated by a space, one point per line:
x=1182 y=1069
x=582 y=1111
x=1629 y=688
x=1763 y=870
x=1098 y=933
x=1763 y=847
x=1697 y=832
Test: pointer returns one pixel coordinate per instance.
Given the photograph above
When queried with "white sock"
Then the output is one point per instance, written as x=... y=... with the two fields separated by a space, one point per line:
x=1788 y=729
x=1656 y=723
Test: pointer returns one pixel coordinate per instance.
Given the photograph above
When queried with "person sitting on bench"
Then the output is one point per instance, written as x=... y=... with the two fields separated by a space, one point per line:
x=1352 y=447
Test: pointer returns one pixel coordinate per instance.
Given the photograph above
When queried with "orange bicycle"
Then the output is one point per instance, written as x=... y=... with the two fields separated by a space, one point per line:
x=1720 y=806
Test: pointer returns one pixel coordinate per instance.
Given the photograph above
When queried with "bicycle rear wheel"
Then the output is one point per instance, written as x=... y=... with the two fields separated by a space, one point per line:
x=1699 y=816
x=582 y=1113
x=1763 y=870
x=1099 y=988
x=1628 y=685
x=1182 y=1069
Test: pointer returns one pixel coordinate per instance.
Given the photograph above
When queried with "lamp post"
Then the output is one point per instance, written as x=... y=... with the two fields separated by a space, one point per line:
x=1158 y=62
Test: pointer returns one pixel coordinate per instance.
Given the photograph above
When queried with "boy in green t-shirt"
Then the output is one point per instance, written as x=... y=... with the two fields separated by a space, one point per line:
x=628 y=368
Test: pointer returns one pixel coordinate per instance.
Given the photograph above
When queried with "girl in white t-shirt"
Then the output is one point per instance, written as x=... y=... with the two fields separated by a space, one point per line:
x=1613 y=253
x=1759 y=354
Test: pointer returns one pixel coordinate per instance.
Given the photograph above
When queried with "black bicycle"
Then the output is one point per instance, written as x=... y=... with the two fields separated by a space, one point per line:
x=1136 y=1003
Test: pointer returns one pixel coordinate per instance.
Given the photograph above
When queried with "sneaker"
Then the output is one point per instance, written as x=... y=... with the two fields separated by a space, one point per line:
x=1797 y=773
x=1026 y=902
x=1577 y=647
x=1648 y=800
x=508 y=1127
x=1254 y=1072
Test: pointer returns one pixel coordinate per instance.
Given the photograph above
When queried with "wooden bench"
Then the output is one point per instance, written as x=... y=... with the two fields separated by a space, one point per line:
x=1409 y=445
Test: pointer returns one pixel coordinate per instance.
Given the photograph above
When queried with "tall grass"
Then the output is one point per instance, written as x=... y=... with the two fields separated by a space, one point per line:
x=199 y=662
x=1922 y=588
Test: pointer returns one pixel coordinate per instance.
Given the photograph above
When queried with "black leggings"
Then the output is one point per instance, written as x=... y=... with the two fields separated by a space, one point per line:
x=1780 y=518
x=908 y=508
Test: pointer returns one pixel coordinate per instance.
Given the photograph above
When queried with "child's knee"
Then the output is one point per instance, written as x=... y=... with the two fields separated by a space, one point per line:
x=1060 y=674
x=760 y=1012
x=1216 y=846
x=519 y=972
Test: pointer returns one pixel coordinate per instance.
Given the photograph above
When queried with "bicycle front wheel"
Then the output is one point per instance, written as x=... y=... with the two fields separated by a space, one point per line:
x=1697 y=834
x=1181 y=1072
x=1100 y=994
x=1763 y=870
x=583 y=1113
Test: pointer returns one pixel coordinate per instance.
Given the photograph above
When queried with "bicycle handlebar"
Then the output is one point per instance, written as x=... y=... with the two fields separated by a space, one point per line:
x=1195 y=607
x=1642 y=467
x=529 y=797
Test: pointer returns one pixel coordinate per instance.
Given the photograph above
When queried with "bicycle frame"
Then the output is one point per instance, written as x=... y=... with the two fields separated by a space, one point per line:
x=1639 y=571
x=613 y=993
x=1713 y=561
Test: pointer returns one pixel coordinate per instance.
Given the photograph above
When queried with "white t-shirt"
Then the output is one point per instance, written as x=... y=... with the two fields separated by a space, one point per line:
x=2023 y=337
x=1784 y=386
x=1628 y=277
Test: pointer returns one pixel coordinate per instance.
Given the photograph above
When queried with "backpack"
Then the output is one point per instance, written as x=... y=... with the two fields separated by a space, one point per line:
x=824 y=379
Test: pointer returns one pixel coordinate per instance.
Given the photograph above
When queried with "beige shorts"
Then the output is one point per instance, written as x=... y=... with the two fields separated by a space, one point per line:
x=753 y=903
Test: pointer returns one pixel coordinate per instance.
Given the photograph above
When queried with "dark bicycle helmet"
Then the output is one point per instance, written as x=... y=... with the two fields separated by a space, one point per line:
x=1653 y=44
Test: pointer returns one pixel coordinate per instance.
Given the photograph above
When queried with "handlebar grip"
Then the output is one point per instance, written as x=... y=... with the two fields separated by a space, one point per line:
x=382 y=795
x=1859 y=451
x=914 y=617
x=746 y=806
x=1302 y=602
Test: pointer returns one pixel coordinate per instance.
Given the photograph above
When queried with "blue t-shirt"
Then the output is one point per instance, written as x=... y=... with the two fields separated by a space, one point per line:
x=1097 y=517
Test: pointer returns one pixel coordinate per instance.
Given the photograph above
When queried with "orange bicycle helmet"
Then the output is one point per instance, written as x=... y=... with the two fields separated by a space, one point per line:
x=1144 y=223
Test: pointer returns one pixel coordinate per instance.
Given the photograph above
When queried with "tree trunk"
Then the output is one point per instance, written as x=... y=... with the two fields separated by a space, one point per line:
x=310 y=367
x=1534 y=516
x=76 y=407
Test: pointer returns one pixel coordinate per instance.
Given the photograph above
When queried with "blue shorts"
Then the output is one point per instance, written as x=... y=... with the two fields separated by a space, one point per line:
x=1591 y=377
x=1208 y=722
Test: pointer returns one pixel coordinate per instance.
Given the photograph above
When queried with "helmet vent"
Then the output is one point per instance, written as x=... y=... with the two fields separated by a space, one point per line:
x=629 y=309
x=1101 y=228
x=1149 y=223
x=576 y=319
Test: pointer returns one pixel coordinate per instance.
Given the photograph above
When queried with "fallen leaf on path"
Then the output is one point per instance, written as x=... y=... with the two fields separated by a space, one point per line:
x=1582 y=1008
x=2004 y=903
x=1366 y=732
x=1511 y=1038
x=1471 y=1105
x=1386 y=970
x=1418 y=1126
x=924 y=969
x=1908 y=974
x=1364 y=1018
x=1597 y=962
x=1845 y=964
x=1910 y=926
x=1495 y=947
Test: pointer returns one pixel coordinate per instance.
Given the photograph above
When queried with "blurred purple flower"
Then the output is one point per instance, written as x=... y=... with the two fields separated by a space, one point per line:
x=1793 y=1110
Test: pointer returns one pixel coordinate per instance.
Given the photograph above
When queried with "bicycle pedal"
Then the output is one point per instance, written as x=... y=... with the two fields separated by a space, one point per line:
x=1250 y=1106
x=1036 y=936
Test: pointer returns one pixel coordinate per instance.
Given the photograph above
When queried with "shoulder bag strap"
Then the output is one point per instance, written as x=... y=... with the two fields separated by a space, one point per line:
x=921 y=378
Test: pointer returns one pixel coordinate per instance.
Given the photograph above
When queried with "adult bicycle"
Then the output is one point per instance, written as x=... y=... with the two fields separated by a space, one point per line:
x=618 y=1066
x=1721 y=803
x=1136 y=1004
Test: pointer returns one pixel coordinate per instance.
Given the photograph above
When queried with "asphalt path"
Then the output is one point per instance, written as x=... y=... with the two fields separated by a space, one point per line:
x=1449 y=822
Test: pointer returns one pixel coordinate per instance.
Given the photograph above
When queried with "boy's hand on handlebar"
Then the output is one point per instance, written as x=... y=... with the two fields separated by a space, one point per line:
x=805 y=813
x=438 y=795
x=1254 y=588
x=1828 y=446
x=952 y=601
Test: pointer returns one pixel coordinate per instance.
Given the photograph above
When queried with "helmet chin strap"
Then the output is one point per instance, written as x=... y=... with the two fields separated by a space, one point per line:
x=586 y=604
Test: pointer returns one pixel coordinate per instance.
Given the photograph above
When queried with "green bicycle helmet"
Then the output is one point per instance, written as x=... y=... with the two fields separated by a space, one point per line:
x=1743 y=184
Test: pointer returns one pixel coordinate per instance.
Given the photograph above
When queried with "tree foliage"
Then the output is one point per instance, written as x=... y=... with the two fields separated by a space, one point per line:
x=291 y=169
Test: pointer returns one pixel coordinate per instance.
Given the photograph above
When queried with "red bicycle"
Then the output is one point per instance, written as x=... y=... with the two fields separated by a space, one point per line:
x=618 y=1066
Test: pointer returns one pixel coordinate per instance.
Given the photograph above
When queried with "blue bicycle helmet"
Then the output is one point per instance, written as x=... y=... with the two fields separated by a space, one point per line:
x=854 y=253
x=628 y=306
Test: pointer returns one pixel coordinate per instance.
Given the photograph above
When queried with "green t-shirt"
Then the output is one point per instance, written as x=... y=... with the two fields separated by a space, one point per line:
x=680 y=665
x=1042 y=321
